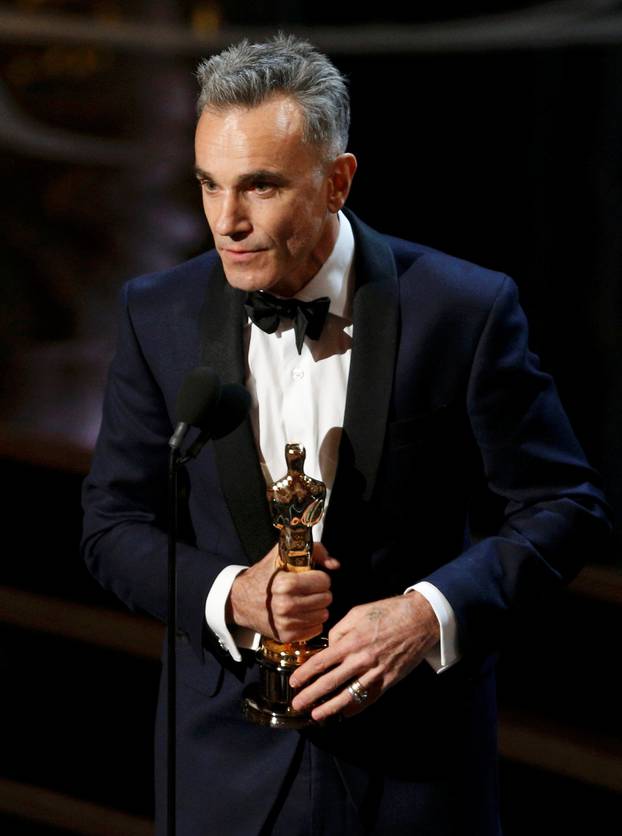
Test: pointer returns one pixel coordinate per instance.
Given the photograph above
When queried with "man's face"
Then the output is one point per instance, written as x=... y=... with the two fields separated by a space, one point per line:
x=268 y=196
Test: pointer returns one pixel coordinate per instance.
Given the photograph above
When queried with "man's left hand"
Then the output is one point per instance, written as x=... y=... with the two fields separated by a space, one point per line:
x=376 y=644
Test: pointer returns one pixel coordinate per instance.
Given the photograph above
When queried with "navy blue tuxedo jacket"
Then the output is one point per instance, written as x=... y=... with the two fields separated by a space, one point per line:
x=457 y=465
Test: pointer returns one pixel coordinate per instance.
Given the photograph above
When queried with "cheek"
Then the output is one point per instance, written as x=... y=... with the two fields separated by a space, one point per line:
x=302 y=230
x=284 y=231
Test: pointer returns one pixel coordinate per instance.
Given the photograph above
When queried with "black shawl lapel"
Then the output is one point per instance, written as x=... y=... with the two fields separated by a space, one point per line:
x=241 y=479
x=368 y=398
x=374 y=346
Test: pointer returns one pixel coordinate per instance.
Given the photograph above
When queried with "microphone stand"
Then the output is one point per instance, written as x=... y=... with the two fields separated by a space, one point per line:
x=175 y=460
x=234 y=407
x=171 y=739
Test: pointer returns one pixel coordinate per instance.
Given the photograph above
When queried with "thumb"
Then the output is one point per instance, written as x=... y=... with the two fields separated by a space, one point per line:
x=321 y=558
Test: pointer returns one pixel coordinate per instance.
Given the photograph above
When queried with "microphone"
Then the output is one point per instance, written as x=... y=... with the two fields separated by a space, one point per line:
x=234 y=403
x=198 y=396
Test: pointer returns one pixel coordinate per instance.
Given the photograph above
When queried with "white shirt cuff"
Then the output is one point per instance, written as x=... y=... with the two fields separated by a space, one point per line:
x=215 y=608
x=444 y=654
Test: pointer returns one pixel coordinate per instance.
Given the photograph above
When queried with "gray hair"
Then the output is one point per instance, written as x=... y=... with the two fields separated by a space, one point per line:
x=248 y=74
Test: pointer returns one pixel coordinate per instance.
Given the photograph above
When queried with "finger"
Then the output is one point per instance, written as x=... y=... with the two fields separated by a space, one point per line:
x=296 y=627
x=322 y=558
x=296 y=617
x=315 y=666
x=328 y=670
x=298 y=633
x=298 y=621
x=304 y=605
x=325 y=686
x=346 y=703
x=300 y=583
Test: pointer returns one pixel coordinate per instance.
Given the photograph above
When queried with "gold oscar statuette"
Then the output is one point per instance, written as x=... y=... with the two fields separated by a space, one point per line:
x=297 y=504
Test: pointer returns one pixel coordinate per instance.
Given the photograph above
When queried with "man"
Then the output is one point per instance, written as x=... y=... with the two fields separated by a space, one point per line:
x=424 y=413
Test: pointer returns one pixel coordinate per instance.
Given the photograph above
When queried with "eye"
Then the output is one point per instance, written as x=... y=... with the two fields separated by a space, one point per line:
x=207 y=185
x=263 y=186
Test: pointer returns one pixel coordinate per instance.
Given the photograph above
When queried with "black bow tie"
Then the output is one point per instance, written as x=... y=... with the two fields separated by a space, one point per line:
x=266 y=311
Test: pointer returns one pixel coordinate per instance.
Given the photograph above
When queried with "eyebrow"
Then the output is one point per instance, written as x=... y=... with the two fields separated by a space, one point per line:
x=250 y=177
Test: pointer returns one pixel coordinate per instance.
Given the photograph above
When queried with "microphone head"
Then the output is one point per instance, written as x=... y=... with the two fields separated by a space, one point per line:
x=198 y=396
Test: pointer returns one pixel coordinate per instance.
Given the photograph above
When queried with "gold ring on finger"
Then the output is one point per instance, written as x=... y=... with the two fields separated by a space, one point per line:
x=357 y=692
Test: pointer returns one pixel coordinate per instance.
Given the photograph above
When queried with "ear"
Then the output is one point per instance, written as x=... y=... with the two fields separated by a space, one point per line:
x=340 y=177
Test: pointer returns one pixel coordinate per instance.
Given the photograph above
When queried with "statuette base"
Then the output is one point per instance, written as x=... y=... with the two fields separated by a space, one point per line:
x=268 y=702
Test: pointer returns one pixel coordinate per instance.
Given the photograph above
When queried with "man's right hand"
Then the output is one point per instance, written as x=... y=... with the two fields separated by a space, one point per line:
x=286 y=606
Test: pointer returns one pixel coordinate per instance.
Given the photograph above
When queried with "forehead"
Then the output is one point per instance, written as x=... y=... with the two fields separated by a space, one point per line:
x=269 y=135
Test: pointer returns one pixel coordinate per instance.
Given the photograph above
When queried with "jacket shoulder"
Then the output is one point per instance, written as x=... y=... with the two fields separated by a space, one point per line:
x=177 y=288
x=164 y=309
x=457 y=283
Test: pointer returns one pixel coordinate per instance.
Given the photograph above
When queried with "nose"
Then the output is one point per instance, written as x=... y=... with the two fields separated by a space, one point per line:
x=230 y=219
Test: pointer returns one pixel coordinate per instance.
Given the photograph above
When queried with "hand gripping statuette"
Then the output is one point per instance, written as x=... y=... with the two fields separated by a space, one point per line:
x=297 y=504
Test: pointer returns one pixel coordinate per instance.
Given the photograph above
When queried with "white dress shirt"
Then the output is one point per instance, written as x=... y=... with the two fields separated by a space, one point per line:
x=301 y=399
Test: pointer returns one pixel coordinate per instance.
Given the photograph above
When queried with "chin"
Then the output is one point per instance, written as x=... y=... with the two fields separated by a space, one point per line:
x=250 y=276
x=242 y=281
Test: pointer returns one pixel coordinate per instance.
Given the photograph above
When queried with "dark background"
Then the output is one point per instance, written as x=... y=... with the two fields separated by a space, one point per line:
x=491 y=131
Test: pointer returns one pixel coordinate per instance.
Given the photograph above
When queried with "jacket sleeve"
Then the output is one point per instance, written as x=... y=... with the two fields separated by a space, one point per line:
x=555 y=515
x=124 y=542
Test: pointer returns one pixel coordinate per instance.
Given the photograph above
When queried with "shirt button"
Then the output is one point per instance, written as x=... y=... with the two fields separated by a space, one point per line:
x=297 y=374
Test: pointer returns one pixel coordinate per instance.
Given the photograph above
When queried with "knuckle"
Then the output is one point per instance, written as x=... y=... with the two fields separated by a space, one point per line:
x=282 y=582
x=368 y=658
x=278 y=607
x=284 y=607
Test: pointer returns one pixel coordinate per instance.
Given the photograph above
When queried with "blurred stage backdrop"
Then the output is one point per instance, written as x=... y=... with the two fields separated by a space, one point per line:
x=490 y=130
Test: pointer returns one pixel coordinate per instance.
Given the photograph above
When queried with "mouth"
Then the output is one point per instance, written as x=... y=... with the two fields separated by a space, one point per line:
x=239 y=255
